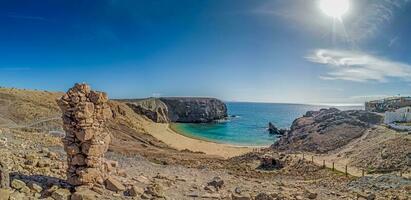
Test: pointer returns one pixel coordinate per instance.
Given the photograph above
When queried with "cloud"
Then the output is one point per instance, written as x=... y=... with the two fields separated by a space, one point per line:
x=27 y=17
x=393 y=41
x=373 y=16
x=358 y=66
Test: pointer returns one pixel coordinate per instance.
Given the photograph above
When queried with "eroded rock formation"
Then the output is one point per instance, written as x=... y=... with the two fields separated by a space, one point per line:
x=87 y=139
x=180 y=109
x=272 y=129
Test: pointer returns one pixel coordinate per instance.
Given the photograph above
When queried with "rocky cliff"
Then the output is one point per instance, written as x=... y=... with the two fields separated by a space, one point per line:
x=326 y=130
x=179 y=109
x=152 y=108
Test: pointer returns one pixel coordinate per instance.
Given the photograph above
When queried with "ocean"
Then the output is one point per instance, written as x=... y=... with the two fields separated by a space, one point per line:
x=248 y=123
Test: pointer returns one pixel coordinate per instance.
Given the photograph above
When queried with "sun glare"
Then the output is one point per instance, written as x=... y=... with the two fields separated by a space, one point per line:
x=334 y=8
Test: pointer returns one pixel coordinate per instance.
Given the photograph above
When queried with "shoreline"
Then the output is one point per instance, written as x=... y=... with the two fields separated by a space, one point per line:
x=172 y=127
x=174 y=139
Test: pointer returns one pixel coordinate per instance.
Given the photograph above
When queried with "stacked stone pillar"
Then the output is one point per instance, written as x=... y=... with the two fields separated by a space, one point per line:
x=87 y=139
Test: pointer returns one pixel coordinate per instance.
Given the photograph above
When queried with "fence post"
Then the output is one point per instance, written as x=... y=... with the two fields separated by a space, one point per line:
x=323 y=163
x=312 y=159
x=333 y=166
x=363 y=173
x=346 y=170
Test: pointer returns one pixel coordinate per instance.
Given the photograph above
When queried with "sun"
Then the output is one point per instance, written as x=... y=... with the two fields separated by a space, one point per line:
x=335 y=8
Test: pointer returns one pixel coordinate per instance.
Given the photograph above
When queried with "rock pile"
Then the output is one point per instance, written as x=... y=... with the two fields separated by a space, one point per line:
x=87 y=139
x=270 y=162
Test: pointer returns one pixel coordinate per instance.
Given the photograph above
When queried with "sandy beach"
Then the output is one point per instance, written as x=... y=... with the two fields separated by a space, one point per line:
x=164 y=133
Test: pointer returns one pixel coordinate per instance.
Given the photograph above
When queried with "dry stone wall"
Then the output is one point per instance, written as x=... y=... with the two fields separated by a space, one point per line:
x=87 y=139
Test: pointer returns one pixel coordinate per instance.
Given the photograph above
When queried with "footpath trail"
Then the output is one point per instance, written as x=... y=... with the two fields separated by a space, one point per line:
x=7 y=123
x=339 y=162
x=371 y=137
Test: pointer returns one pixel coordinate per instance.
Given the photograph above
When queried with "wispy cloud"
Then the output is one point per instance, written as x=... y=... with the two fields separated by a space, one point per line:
x=393 y=41
x=26 y=17
x=359 y=66
x=374 y=16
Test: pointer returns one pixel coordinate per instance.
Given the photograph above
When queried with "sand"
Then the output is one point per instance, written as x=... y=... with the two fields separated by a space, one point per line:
x=164 y=133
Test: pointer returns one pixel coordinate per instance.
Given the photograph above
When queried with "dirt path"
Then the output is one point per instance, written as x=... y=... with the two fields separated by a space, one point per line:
x=339 y=163
x=7 y=123
x=342 y=157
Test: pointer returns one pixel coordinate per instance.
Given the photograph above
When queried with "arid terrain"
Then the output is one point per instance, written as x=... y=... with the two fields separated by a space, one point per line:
x=148 y=168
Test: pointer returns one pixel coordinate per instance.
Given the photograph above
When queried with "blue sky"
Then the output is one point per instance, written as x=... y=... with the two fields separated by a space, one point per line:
x=237 y=50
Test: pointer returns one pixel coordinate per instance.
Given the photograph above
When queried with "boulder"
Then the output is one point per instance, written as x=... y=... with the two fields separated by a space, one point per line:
x=310 y=195
x=155 y=190
x=235 y=196
x=17 y=196
x=4 y=194
x=274 y=130
x=17 y=184
x=35 y=187
x=61 y=194
x=135 y=191
x=114 y=185
x=263 y=196
x=270 y=162
x=84 y=194
x=216 y=182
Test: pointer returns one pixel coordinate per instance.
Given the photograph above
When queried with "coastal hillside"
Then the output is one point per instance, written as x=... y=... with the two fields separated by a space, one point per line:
x=28 y=109
x=356 y=138
x=326 y=130
x=37 y=111
x=152 y=169
x=179 y=109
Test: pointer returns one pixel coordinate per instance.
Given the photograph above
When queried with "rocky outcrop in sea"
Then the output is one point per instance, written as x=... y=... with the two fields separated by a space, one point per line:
x=180 y=109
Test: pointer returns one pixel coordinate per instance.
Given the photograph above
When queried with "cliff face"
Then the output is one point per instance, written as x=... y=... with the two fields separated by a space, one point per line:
x=326 y=130
x=180 y=109
x=153 y=108
x=195 y=110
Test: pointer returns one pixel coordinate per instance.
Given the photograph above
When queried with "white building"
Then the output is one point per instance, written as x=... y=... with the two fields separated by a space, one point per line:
x=399 y=115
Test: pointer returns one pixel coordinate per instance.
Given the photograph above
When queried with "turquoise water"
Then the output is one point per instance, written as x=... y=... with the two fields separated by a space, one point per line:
x=249 y=126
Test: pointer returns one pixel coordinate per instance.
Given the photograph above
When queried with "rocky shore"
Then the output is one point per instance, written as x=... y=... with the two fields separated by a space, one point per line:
x=180 y=109
x=326 y=130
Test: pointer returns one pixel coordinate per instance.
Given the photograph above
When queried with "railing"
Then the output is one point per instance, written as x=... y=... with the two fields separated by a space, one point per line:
x=360 y=172
x=345 y=169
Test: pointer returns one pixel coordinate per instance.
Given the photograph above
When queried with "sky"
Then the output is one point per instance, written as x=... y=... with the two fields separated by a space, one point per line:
x=236 y=50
